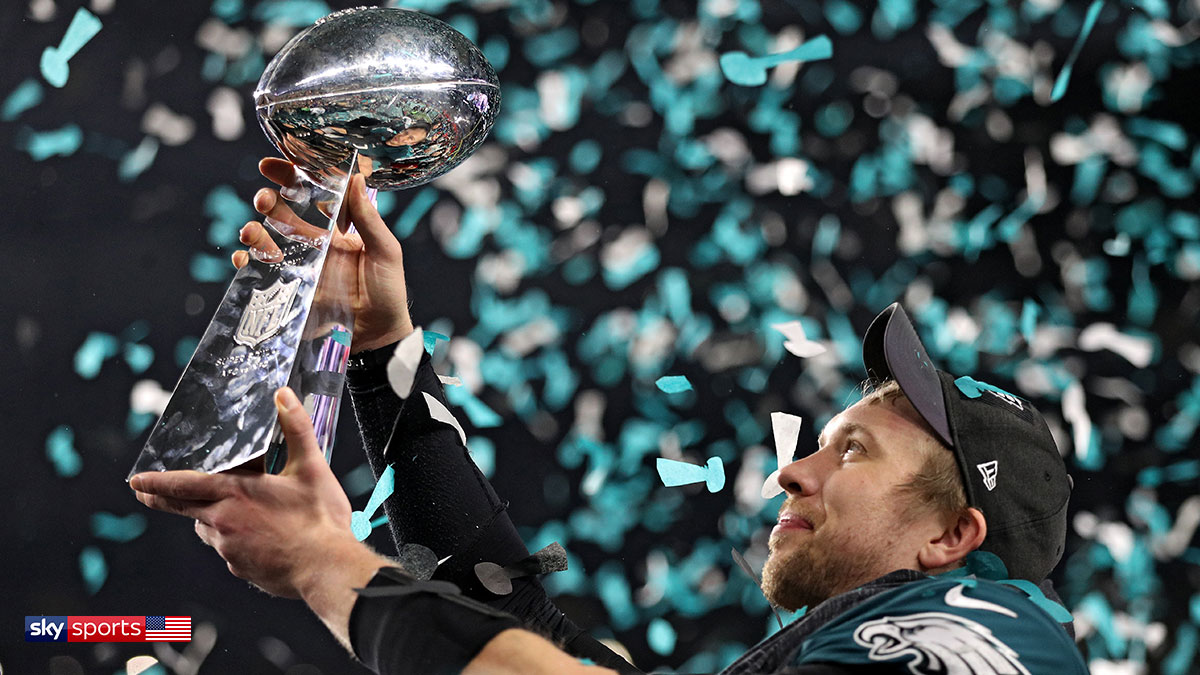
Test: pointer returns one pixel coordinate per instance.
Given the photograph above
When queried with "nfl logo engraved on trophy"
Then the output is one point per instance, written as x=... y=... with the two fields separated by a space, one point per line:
x=265 y=314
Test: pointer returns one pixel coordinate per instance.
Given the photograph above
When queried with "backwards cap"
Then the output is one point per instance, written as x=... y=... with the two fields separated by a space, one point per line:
x=1011 y=468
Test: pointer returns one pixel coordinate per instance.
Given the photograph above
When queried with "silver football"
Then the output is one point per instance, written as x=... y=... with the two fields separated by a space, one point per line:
x=407 y=92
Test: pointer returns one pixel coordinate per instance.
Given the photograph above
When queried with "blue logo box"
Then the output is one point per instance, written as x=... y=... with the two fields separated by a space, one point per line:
x=45 y=629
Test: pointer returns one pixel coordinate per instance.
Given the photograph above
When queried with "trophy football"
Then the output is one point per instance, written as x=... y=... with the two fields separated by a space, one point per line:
x=393 y=94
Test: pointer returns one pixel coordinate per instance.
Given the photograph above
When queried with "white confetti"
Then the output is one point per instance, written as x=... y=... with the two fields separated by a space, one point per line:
x=439 y=412
x=147 y=396
x=786 y=429
x=1137 y=350
x=225 y=106
x=402 y=367
x=169 y=127
x=796 y=341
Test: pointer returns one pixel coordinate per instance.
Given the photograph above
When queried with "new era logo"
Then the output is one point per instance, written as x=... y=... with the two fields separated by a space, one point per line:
x=1007 y=398
x=989 y=471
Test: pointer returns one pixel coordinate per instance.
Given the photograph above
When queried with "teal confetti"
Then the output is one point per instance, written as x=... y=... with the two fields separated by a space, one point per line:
x=228 y=212
x=1168 y=134
x=483 y=452
x=673 y=384
x=134 y=163
x=295 y=13
x=430 y=340
x=674 y=473
x=549 y=48
x=1064 y=76
x=184 y=350
x=478 y=412
x=93 y=568
x=741 y=68
x=1029 y=317
x=139 y=357
x=205 y=267
x=360 y=521
x=27 y=95
x=84 y=26
x=121 y=529
x=358 y=481
x=585 y=156
x=843 y=16
x=972 y=388
x=43 y=145
x=660 y=635
x=60 y=450
x=96 y=349
x=342 y=337
x=415 y=211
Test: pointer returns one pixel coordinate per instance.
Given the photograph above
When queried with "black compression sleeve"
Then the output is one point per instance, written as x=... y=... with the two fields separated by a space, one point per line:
x=443 y=502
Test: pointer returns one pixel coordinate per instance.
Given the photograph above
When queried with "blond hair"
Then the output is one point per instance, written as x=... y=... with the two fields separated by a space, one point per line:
x=937 y=487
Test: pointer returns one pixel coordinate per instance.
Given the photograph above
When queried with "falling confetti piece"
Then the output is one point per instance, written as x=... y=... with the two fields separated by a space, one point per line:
x=673 y=384
x=93 y=568
x=360 y=521
x=402 y=367
x=674 y=473
x=1064 y=76
x=84 y=26
x=741 y=68
x=796 y=342
x=439 y=412
x=786 y=429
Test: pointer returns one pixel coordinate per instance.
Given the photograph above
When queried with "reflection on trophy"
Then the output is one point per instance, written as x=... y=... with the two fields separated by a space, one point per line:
x=393 y=94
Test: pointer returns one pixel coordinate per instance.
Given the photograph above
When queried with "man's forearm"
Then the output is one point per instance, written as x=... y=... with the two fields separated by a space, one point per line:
x=519 y=652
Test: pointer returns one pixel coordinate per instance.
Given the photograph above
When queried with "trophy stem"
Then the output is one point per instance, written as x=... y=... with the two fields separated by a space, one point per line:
x=286 y=319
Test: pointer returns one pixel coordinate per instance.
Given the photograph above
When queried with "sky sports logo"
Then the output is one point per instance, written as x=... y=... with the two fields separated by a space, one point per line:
x=108 y=628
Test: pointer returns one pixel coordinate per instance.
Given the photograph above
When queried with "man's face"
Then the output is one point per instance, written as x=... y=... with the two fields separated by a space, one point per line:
x=410 y=136
x=845 y=521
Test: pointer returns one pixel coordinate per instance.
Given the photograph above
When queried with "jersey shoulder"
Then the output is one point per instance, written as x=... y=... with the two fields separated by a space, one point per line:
x=947 y=626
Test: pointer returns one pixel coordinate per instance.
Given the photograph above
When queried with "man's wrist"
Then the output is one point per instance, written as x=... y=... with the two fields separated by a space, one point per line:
x=328 y=587
x=395 y=335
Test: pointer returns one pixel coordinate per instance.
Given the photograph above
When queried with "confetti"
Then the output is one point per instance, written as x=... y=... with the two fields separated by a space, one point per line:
x=402 y=367
x=360 y=521
x=84 y=26
x=673 y=384
x=786 y=429
x=674 y=473
x=741 y=68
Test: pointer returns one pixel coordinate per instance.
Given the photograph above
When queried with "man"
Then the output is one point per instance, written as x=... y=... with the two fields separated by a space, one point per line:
x=914 y=495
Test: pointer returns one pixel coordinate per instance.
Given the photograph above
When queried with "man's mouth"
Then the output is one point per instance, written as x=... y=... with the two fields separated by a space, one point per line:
x=792 y=521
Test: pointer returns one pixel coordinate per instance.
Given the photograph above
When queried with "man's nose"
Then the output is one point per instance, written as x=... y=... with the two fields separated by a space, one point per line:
x=803 y=476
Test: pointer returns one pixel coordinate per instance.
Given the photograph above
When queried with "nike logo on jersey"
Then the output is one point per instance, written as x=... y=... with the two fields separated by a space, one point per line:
x=955 y=598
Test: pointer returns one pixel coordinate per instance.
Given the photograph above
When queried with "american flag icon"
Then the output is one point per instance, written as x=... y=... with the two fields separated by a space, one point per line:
x=168 y=628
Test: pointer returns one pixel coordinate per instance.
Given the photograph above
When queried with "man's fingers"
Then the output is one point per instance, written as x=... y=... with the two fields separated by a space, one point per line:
x=279 y=171
x=239 y=258
x=181 y=507
x=186 y=485
x=375 y=233
x=298 y=430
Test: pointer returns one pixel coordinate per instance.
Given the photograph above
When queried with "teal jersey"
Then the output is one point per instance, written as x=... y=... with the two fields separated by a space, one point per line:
x=949 y=627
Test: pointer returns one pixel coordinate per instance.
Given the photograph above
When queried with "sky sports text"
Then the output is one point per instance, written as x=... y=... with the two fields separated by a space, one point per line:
x=108 y=628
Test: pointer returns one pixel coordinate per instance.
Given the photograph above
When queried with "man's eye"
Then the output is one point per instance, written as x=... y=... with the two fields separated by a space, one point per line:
x=853 y=448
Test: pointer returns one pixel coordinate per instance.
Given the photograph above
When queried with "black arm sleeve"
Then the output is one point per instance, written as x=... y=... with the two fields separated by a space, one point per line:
x=443 y=502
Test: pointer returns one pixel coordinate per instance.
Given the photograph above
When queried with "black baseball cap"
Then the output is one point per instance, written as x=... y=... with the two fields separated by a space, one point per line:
x=1011 y=468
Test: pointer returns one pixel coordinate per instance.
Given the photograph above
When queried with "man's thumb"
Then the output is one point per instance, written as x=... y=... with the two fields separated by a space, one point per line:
x=297 y=430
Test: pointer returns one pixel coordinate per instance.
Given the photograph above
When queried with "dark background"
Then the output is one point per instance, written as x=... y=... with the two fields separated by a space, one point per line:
x=111 y=263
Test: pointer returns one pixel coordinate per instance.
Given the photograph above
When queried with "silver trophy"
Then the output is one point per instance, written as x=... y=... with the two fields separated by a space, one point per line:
x=393 y=94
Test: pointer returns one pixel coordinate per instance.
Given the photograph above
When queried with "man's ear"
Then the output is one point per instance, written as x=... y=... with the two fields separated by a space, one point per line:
x=961 y=536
